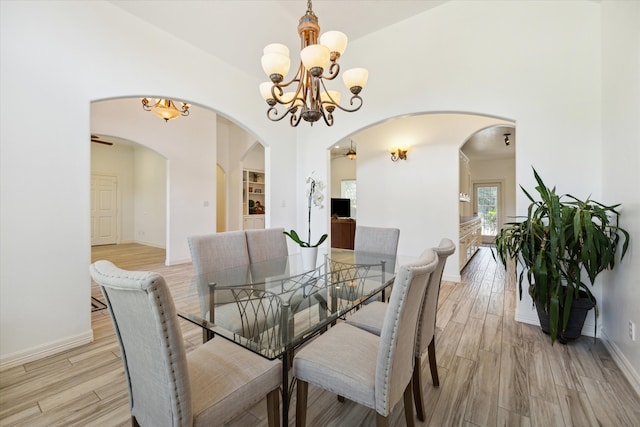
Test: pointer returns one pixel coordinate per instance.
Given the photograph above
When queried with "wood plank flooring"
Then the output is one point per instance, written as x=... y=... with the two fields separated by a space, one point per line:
x=493 y=370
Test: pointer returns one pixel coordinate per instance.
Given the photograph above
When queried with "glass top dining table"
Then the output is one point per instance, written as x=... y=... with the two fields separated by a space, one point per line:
x=273 y=306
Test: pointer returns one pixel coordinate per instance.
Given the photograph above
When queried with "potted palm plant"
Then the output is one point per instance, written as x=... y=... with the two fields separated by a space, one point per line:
x=314 y=198
x=560 y=241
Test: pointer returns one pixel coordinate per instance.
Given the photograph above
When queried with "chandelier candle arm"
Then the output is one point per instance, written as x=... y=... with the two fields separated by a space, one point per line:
x=310 y=100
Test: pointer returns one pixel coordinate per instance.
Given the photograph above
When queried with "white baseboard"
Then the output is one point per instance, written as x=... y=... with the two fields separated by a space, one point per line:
x=452 y=278
x=623 y=363
x=153 y=245
x=35 y=353
x=177 y=261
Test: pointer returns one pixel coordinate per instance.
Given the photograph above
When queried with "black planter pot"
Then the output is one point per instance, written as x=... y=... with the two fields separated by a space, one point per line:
x=577 y=316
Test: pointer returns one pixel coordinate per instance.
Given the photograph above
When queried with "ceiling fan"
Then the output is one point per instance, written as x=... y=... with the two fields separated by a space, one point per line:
x=96 y=139
x=351 y=153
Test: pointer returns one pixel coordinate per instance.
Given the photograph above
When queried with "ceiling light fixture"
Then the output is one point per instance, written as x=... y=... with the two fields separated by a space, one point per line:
x=166 y=108
x=308 y=98
x=351 y=154
x=506 y=139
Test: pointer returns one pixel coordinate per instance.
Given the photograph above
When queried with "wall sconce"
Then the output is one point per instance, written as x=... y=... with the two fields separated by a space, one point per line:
x=506 y=139
x=398 y=154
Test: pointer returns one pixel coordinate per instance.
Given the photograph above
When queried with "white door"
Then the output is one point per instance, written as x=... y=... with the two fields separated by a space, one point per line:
x=488 y=206
x=104 y=210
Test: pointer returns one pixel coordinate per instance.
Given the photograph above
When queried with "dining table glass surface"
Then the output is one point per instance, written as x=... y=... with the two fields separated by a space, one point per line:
x=272 y=307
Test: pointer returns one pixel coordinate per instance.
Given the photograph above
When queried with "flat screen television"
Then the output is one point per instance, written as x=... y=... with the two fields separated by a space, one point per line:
x=341 y=207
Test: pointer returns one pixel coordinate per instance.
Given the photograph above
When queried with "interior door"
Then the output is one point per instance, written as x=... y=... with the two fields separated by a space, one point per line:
x=488 y=206
x=104 y=210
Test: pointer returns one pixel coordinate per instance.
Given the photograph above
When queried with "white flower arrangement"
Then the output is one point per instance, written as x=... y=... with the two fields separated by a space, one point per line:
x=315 y=197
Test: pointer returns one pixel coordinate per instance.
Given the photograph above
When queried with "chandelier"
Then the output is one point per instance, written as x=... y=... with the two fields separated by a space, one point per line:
x=306 y=96
x=165 y=108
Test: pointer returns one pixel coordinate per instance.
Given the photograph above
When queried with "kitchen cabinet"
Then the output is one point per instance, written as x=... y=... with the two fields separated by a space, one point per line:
x=470 y=238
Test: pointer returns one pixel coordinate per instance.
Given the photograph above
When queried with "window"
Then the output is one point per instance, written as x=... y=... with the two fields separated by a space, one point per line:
x=348 y=191
x=487 y=199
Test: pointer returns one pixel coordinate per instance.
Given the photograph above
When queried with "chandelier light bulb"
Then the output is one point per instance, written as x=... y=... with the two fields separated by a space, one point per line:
x=265 y=90
x=315 y=58
x=276 y=48
x=336 y=41
x=276 y=66
x=355 y=79
x=331 y=98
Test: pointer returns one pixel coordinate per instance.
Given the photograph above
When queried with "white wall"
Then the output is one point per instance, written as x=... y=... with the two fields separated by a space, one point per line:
x=233 y=143
x=150 y=198
x=342 y=168
x=621 y=172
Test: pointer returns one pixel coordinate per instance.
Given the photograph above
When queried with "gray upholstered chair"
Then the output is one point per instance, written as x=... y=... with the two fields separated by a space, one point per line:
x=266 y=244
x=218 y=251
x=371 y=318
x=341 y=360
x=377 y=240
x=269 y=244
x=375 y=244
x=167 y=387
x=213 y=255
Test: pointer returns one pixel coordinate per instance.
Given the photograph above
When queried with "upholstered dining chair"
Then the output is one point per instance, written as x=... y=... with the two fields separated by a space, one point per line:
x=375 y=244
x=167 y=387
x=378 y=240
x=269 y=244
x=266 y=244
x=340 y=360
x=371 y=318
x=213 y=254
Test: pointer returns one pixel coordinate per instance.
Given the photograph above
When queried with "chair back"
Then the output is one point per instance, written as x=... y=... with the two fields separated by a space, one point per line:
x=146 y=325
x=266 y=244
x=376 y=239
x=219 y=251
x=427 y=322
x=219 y=258
x=398 y=335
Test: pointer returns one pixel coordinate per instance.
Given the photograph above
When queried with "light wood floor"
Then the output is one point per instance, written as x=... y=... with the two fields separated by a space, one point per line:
x=493 y=370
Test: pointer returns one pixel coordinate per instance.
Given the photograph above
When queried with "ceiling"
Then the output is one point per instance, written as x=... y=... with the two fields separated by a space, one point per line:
x=204 y=23
x=489 y=144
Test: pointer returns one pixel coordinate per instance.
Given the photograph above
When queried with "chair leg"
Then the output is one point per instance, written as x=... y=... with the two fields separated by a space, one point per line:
x=408 y=405
x=432 y=362
x=301 y=403
x=381 y=420
x=206 y=335
x=273 y=408
x=134 y=422
x=418 y=397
